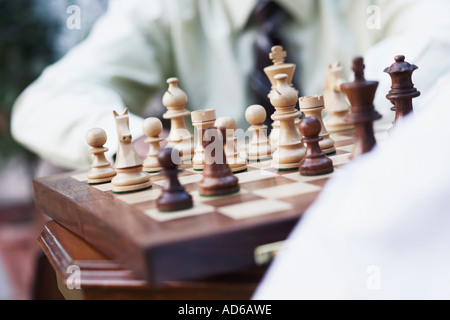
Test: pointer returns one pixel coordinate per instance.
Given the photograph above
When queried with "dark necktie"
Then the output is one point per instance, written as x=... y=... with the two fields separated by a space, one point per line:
x=269 y=17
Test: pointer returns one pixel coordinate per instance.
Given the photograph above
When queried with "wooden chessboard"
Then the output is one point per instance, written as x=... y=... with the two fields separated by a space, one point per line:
x=218 y=235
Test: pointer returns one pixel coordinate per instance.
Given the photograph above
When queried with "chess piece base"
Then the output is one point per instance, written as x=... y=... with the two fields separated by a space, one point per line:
x=238 y=169
x=288 y=157
x=260 y=153
x=329 y=151
x=336 y=123
x=101 y=175
x=100 y=181
x=198 y=167
x=134 y=188
x=130 y=180
x=152 y=170
x=316 y=167
x=151 y=165
x=219 y=186
x=175 y=201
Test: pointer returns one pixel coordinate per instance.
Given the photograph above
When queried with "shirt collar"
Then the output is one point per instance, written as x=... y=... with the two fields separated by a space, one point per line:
x=241 y=10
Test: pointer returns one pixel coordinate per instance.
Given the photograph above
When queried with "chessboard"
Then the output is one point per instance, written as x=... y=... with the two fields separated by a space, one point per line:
x=218 y=235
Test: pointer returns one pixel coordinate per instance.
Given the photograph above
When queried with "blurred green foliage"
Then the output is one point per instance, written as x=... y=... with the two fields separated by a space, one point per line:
x=26 y=48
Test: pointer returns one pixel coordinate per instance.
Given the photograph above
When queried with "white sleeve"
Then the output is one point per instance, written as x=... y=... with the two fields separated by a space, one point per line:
x=121 y=64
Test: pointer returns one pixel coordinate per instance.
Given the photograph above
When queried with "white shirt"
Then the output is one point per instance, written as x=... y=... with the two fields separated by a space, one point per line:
x=208 y=45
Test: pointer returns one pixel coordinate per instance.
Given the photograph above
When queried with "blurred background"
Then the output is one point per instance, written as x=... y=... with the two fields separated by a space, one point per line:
x=33 y=35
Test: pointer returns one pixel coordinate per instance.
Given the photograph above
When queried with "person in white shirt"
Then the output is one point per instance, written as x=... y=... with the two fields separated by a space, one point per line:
x=208 y=45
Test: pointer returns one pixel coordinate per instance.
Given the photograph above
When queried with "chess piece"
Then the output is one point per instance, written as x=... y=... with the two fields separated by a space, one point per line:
x=402 y=91
x=175 y=100
x=274 y=136
x=315 y=161
x=290 y=148
x=217 y=176
x=201 y=120
x=336 y=105
x=101 y=170
x=235 y=161
x=173 y=197
x=152 y=128
x=259 y=148
x=278 y=55
x=361 y=94
x=312 y=107
x=128 y=166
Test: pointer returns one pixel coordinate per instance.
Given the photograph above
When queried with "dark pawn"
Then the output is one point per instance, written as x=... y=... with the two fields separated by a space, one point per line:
x=173 y=197
x=402 y=90
x=217 y=176
x=314 y=162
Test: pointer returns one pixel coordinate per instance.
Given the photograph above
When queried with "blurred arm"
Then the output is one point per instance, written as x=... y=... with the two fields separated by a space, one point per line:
x=122 y=63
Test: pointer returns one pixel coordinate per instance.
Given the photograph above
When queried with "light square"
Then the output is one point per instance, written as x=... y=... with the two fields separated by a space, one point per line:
x=104 y=187
x=254 y=208
x=255 y=176
x=198 y=198
x=136 y=197
x=346 y=148
x=80 y=177
x=341 y=159
x=183 y=179
x=286 y=190
x=160 y=216
x=260 y=165
x=296 y=176
x=338 y=137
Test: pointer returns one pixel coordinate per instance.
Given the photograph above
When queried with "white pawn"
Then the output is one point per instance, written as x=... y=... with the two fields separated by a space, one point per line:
x=152 y=128
x=259 y=148
x=101 y=170
x=179 y=137
x=235 y=161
